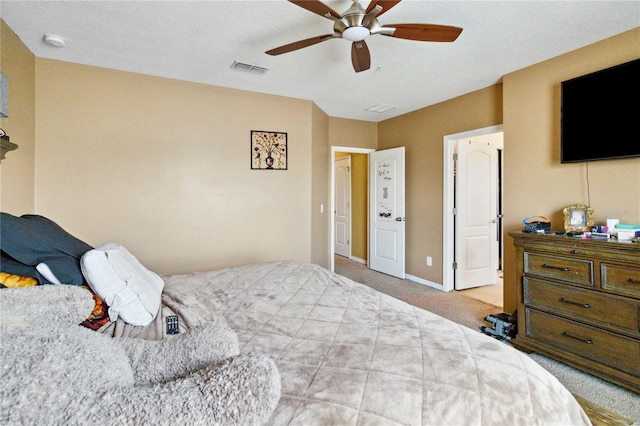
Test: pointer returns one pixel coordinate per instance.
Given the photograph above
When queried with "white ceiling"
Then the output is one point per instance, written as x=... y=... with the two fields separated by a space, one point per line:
x=199 y=41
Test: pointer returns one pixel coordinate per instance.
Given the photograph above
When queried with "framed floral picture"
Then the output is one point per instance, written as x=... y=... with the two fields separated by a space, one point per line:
x=268 y=150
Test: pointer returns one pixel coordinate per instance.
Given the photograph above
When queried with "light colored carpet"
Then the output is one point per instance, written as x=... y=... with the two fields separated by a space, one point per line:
x=471 y=313
x=453 y=305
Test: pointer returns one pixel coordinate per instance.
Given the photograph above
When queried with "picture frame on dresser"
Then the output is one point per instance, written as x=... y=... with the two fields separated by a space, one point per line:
x=578 y=218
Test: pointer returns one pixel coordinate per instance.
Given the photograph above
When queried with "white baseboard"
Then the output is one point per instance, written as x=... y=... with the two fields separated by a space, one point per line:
x=424 y=282
x=409 y=277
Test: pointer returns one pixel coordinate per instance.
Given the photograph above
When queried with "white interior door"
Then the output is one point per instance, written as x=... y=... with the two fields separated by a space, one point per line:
x=476 y=242
x=342 y=214
x=387 y=212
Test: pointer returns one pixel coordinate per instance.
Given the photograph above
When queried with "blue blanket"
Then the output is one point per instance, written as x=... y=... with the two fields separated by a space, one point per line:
x=29 y=240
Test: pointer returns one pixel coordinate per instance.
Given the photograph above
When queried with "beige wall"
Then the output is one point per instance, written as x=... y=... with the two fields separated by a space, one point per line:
x=422 y=132
x=353 y=133
x=17 y=170
x=535 y=183
x=163 y=167
x=320 y=215
x=534 y=180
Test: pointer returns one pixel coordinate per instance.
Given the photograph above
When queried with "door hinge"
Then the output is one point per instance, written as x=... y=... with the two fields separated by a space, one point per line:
x=454 y=265
x=455 y=157
x=454 y=211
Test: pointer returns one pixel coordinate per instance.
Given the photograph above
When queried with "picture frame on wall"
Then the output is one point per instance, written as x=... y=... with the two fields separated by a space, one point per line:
x=268 y=150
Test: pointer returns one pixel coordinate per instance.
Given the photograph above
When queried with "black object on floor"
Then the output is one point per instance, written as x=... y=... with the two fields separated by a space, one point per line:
x=503 y=326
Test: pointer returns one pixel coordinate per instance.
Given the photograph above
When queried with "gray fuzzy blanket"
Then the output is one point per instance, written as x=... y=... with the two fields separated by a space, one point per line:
x=56 y=372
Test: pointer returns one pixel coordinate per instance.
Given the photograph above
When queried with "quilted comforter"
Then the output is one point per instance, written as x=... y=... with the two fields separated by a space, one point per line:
x=350 y=355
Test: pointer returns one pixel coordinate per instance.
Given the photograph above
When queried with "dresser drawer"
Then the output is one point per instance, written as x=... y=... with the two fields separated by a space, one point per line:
x=582 y=304
x=606 y=348
x=576 y=271
x=620 y=279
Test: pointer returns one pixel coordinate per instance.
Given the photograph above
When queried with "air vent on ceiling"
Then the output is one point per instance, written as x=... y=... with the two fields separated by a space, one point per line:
x=381 y=108
x=253 y=69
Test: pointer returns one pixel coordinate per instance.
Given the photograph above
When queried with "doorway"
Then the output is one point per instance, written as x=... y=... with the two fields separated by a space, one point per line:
x=342 y=197
x=382 y=217
x=451 y=190
x=359 y=221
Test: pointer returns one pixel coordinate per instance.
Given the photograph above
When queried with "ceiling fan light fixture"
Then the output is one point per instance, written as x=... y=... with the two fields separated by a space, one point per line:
x=357 y=33
x=357 y=23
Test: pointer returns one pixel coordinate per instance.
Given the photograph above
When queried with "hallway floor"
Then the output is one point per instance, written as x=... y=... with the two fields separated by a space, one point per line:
x=491 y=294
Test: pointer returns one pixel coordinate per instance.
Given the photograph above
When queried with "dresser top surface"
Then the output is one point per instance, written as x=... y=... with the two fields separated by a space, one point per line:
x=578 y=240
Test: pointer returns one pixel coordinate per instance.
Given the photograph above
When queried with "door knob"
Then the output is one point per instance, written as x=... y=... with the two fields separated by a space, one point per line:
x=400 y=219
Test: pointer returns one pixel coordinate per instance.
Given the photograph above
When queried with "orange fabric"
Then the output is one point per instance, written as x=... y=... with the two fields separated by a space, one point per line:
x=99 y=316
x=15 y=281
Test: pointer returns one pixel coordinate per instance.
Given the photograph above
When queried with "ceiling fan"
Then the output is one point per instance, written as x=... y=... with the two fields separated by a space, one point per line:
x=356 y=24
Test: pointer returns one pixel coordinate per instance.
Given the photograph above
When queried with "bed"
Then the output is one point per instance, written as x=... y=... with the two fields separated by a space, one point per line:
x=350 y=355
x=346 y=353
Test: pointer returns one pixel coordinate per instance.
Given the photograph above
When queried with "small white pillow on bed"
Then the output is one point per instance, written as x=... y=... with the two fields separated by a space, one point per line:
x=132 y=292
x=46 y=272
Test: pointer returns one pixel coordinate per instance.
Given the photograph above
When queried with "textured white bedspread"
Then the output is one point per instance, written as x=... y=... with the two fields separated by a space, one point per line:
x=350 y=355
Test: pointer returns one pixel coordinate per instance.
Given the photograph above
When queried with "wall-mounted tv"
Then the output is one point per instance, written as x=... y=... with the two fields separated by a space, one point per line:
x=600 y=115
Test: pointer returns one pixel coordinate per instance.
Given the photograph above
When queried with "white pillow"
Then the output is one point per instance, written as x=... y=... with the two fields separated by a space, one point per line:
x=46 y=272
x=132 y=292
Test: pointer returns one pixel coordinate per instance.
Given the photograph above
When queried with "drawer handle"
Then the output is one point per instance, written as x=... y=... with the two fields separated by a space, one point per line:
x=634 y=281
x=565 y=269
x=584 y=305
x=587 y=341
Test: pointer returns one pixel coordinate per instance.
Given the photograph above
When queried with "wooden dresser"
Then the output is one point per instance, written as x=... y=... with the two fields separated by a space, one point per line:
x=579 y=303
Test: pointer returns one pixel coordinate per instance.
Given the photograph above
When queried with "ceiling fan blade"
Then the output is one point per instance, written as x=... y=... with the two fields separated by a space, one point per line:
x=316 y=6
x=424 y=32
x=385 y=4
x=299 y=44
x=360 y=57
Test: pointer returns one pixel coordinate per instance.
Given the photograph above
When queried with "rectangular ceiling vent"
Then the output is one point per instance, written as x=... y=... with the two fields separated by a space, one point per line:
x=381 y=108
x=253 y=69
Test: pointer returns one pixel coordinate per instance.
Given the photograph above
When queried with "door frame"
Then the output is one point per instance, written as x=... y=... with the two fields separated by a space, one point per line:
x=332 y=190
x=448 y=181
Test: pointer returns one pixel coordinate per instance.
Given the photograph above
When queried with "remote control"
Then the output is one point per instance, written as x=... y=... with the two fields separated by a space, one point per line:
x=172 y=324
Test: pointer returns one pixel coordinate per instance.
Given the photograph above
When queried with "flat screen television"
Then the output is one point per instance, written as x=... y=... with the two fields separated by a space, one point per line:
x=601 y=115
